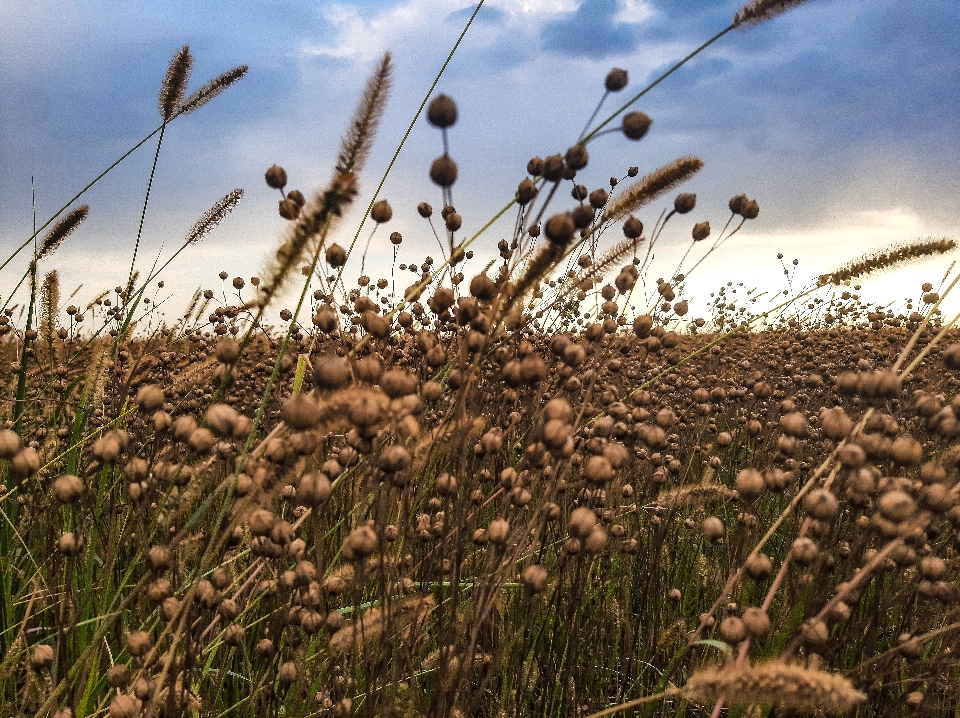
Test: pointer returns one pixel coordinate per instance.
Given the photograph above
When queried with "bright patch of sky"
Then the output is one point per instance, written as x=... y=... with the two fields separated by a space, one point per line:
x=838 y=117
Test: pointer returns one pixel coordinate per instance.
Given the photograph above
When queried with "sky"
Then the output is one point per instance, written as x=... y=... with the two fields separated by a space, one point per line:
x=839 y=117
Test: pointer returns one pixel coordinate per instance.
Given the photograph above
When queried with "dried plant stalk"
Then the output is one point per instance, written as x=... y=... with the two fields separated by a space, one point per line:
x=655 y=184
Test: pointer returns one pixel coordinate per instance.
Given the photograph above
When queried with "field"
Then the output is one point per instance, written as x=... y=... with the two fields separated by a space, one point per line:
x=511 y=493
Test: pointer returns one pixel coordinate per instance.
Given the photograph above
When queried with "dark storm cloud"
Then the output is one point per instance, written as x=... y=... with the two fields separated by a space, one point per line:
x=591 y=31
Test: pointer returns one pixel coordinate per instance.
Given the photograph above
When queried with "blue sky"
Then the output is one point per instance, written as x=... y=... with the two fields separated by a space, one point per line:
x=839 y=117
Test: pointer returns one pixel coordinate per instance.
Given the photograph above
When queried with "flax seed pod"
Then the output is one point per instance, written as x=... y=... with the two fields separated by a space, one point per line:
x=535 y=578
x=443 y=171
x=138 y=643
x=276 y=177
x=150 y=397
x=381 y=212
x=822 y=504
x=123 y=706
x=616 y=80
x=732 y=630
x=635 y=125
x=331 y=372
x=713 y=528
x=68 y=489
x=759 y=566
x=684 y=202
x=442 y=112
x=314 y=489
x=360 y=543
x=498 y=532
x=632 y=227
x=756 y=622
x=582 y=522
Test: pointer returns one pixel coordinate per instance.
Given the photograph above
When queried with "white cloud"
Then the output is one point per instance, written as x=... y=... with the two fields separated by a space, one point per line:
x=634 y=11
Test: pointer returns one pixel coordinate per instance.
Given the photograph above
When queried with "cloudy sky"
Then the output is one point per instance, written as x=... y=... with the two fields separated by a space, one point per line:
x=839 y=118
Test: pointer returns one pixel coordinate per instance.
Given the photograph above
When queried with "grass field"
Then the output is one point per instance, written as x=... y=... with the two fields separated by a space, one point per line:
x=543 y=489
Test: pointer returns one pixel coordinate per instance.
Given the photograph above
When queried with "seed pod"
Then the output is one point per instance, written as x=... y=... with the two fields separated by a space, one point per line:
x=732 y=630
x=632 y=227
x=756 y=622
x=150 y=397
x=835 y=423
x=381 y=212
x=822 y=504
x=70 y=544
x=276 y=177
x=483 y=288
x=158 y=559
x=68 y=489
x=261 y=522
x=795 y=424
x=227 y=350
x=906 y=450
x=595 y=541
x=701 y=230
x=331 y=372
x=336 y=255
x=300 y=412
x=635 y=125
x=394 y=458
x=552 y=169
x=526 y=191
x=712 y=528
x=804 y=551
x=314 y=489
x=598 y=470
x=442 y=112
x=582 y=522
x=759 y=566
x=288 y=209
x=577 y=157
x=535 y=578
x=287 y=673
x=360 y=543
x=202 y=440
x=41 y=657
x=397 y=382
x=9 y=443
x=443 y=171
x=684 y=202
x=138 y=643
x=896 y=506
x=123 y=706
x=616 y=80
x=498 y=532
x=559 y=228
x=118 y=676
x=598 y=198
